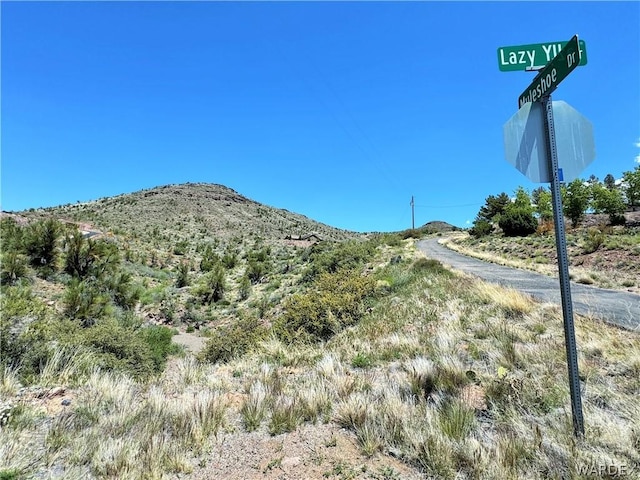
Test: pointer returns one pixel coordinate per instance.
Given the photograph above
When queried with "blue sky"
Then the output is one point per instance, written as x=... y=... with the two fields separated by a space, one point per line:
x=338 y=111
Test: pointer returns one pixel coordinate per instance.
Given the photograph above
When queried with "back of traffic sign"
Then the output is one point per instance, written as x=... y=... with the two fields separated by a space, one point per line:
x=524 y=142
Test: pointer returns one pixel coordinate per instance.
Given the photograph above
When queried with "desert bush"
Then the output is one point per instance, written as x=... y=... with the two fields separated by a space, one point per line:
x=391 y=239
x=230 y=258
x=545 y=227
x=182 y=274
x=158 y=339
x=256 y=270
x=231 y=341
x=116 y=348
x=181 y=247
x=244 y=289
x=23 y=339
x=594 y=240
x=430 y=266
x=121 y=289
x=326 y=257
x=209 y=259
x=334 y=301
x=212 y=286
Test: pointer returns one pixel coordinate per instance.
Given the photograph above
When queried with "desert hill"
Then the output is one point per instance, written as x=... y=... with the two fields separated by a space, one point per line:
x=191 y=211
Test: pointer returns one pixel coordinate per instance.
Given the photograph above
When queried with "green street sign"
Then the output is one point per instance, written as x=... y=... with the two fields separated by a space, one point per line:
x=550 y=76
x=534 y=56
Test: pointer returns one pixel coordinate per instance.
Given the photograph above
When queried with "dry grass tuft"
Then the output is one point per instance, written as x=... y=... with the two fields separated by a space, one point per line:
x=511 y=301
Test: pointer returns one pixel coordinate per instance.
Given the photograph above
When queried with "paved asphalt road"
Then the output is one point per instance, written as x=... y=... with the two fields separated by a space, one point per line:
x=620 y=308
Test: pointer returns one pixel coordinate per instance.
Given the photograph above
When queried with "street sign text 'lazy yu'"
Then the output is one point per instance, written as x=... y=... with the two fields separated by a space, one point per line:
x=533 y=56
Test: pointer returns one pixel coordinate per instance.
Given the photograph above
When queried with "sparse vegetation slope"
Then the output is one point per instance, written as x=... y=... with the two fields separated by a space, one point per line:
x=350 y=359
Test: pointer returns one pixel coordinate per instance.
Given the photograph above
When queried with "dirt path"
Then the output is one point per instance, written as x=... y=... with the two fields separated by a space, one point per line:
x=619 y=308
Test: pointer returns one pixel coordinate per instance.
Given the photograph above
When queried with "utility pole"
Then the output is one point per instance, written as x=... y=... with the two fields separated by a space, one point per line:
x=413 y=216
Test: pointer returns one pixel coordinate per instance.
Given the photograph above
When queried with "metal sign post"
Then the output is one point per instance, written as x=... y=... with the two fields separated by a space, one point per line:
x=523 y=136
x=563 y=270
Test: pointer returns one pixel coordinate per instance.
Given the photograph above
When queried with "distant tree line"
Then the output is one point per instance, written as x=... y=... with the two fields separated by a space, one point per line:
x=522 y=215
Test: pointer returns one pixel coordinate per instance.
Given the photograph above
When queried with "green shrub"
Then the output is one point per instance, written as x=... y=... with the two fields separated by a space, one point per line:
x=120 y=349
x=23 y=338
x=180 y=248
x=391 y=239
x=84 y=301
x=182 y=274
x=256 y=270
x=430 y=266
x=244 y=289
x=230 y=258
x=326 y=257
x=518 y=222
x=481 y=228
x=212 y=286
x=11 y=235
x=121 y=290
x=13 y=268
x=594 y=240
x=361 y=360
x=158 y=339
x=86 y=258
x=209 y=259
x=231 y=341
x=334 y=301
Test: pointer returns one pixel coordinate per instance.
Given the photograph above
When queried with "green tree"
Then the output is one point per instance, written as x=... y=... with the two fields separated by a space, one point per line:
x=517 y=218
x=543 y=205
x=575 y=200
x=40 y=240
x=632 y=187
x=494 y=206
x=83 y=301
x=86 y=258
x=610 y=202
x=610 y=181
x=521 y=201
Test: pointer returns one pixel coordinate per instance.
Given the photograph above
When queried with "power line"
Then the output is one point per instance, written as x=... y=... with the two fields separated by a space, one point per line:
x=451 y=206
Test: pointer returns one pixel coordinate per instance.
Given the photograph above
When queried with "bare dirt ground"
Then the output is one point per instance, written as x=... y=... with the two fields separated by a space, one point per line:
x=310 y=452
x=193 y=343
